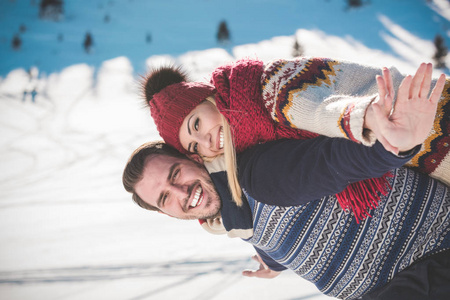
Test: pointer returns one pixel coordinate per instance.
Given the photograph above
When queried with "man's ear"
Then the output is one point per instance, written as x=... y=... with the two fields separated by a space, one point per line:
x=196 y=157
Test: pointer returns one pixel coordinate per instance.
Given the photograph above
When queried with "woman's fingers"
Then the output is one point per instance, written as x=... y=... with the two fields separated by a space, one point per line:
x=426 y=84
x=382 y=90
x=389 y=84
x=404 y=89
x=438 y=89
x=388 y=102
x=417 y=81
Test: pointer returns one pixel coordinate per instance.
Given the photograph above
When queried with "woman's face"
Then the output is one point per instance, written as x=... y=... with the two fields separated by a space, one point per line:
x=202 y=132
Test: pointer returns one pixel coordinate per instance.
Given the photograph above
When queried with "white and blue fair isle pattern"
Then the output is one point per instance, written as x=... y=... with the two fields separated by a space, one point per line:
x=324 y=244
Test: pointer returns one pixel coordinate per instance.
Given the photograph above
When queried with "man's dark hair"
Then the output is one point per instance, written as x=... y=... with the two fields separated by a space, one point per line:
x=133 y=172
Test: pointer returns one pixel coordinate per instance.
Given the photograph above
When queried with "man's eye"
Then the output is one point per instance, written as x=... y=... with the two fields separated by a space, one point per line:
x=196 y=124
x=163 y=202
x=175 y=174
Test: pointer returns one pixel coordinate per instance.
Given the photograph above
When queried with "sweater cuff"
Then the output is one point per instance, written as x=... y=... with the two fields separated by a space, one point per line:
x=410 y=153
x=406 y=155
x=272 y=264
x=351 y=122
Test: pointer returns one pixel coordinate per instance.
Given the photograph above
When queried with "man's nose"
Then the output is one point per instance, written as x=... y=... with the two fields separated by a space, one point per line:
x=180 y=191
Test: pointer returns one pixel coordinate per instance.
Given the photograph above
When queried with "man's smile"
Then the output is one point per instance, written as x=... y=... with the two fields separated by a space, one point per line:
x=198 y=198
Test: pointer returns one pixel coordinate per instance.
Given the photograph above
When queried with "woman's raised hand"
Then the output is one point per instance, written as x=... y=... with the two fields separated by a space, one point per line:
x=411 y=119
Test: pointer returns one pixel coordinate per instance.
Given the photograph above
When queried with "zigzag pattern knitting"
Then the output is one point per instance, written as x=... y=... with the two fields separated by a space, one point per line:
x=435 y=149
x=330 y=98
x=324 y=244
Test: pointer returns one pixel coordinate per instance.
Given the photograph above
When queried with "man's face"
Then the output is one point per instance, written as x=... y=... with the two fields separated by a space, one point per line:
x=178 y=187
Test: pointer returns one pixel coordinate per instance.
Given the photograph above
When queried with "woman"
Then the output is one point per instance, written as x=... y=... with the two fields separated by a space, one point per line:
x=260 y=103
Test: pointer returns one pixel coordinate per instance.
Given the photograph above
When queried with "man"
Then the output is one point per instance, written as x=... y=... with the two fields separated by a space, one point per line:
x=318 y=241
x=293 y=224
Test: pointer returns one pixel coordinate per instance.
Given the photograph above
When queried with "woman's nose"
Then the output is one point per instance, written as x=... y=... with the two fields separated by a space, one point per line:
x=205 y=140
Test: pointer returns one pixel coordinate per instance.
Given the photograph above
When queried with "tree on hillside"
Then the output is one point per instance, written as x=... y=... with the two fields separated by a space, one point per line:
x=354 y=3
x=298 y=49
x=16 y=42
x=22 y=28
x=51 y=9
x=223 y=34
x=441 y=52
x=88 y=42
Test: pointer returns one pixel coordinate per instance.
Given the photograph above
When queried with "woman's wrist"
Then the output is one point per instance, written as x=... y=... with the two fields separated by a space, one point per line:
x=369 y=118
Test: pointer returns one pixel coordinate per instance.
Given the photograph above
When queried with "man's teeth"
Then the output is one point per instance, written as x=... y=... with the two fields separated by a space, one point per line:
x=221 y=138
x=196 y=201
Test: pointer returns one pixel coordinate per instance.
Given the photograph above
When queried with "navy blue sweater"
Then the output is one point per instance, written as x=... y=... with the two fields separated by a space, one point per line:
x=297 y=223
x=293 y=172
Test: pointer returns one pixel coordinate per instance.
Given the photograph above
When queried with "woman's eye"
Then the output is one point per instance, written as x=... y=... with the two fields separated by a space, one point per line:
x=195 y=148
x=196 y=124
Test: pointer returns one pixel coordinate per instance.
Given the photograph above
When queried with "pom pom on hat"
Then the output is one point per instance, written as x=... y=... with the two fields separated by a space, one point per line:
x=171 y=99
x=159 y=78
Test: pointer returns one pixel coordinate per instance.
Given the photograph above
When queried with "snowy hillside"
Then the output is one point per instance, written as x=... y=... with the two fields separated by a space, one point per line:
x=122 y=28
x=69 y=120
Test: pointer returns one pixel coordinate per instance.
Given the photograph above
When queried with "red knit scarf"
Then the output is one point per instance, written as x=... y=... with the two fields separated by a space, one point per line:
x=239 y=99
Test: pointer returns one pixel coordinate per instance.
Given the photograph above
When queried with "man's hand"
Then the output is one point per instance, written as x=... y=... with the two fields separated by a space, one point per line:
x=262 y=272
x=410 y=121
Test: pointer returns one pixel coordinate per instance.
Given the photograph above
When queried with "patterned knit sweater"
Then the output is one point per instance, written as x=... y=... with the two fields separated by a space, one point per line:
x=239 y=99
x=331 y=97
x=317 y=239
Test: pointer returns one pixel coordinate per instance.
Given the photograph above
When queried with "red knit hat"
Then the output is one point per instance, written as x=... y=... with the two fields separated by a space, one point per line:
x=172 y=104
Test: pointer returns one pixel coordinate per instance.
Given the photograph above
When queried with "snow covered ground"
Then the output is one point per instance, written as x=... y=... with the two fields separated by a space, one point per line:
x=68 y=230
